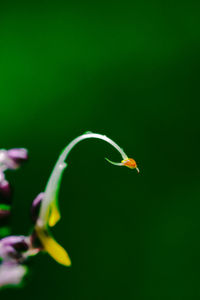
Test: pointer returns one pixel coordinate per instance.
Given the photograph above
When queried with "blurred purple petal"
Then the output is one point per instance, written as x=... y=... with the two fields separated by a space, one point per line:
x=12 y=248
x=17 y=155
x=11 y=274
x=3 y=159
x=12 y=159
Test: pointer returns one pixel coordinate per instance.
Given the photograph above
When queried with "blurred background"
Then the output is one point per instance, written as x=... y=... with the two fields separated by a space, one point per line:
x=129 y=70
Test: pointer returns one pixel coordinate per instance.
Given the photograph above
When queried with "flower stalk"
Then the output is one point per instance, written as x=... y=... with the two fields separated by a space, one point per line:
x=49 y=212
x=14 y=250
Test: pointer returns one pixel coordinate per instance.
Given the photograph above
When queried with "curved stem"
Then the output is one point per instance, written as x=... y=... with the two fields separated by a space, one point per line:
x=53 y=183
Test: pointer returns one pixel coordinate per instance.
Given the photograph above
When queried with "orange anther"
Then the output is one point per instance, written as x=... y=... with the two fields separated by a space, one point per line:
x=130 y=163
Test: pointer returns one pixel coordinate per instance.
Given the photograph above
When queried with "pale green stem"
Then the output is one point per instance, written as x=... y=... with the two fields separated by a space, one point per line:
x=55 y=177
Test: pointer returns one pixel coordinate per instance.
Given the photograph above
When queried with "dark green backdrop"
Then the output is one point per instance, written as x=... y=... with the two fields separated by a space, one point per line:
x=129 y=70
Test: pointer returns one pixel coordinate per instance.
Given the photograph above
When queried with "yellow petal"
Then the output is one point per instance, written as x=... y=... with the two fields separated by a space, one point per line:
x=56 y=251
x=54 y=215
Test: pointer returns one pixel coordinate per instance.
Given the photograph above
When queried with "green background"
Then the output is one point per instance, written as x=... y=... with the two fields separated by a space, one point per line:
x=129 y=70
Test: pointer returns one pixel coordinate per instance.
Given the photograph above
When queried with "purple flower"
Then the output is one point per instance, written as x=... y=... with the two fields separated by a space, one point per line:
x=13 y=248
x=16 y=156
x=9 y=159
x=12 y=159
x=11 y=274
x=14 y=251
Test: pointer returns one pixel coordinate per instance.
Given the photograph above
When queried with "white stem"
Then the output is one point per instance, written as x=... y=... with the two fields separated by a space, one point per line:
x=55 y=177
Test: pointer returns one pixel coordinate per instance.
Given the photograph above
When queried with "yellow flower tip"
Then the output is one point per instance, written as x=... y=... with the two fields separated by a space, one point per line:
x=56 y=251
x=54 y=216
x=130 y=163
